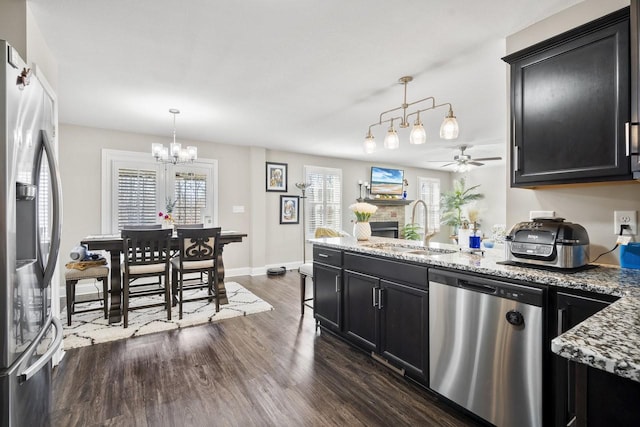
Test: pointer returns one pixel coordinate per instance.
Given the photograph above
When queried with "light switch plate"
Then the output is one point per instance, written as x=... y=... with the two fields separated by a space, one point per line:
x=625 y=217
x=238 y=209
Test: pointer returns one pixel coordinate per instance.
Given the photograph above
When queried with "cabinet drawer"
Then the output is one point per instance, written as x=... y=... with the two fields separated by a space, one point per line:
x=327 y=256
x=386 y=269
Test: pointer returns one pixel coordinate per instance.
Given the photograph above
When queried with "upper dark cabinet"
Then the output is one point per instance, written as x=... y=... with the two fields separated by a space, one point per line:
x=570 y=102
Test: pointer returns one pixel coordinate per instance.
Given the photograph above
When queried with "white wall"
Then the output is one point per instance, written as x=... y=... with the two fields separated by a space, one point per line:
x=241 y=173
x=80 y=166
x=589 y=205
x=493 y=208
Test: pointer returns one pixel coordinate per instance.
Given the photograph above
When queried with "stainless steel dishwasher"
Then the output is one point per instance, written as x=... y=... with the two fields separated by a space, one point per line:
x=485 y=346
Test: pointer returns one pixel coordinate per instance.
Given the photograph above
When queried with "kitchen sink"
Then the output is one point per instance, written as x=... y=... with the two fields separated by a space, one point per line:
x=413 y=250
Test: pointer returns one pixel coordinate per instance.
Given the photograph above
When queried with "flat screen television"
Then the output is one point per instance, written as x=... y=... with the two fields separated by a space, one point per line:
x=386 y=181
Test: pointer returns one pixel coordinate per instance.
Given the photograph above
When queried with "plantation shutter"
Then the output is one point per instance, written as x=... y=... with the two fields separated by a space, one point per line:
x=137 y=192
x=191 y=197
x=429 y=191
x=323 y=205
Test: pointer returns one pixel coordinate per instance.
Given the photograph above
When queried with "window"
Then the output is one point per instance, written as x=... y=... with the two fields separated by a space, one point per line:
x=429 y=191
x=137 y=194
x=190 y=191
x=323 y=205
x=135 y=188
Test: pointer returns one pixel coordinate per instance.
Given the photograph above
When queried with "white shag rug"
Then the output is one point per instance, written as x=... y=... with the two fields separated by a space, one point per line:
x=92 y=328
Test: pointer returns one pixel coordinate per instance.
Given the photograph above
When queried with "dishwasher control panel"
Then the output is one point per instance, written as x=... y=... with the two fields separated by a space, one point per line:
x=499 y=288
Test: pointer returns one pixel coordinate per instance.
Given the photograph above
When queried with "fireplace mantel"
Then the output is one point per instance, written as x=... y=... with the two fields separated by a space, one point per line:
x=387 y=202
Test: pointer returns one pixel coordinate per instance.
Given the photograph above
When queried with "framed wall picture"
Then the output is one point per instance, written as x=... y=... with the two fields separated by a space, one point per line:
x=289 y=209
x=276 y=177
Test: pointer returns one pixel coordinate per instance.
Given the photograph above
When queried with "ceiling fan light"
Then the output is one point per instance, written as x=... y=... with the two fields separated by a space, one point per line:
x=418 y=134
x=391 y=141
x=449 y=128
x=369 y=144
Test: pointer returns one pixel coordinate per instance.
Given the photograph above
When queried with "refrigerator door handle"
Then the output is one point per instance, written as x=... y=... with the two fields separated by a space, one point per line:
x=57 y=207
x=44 y=359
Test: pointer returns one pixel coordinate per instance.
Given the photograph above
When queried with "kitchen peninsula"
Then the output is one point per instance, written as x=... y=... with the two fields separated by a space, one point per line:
x=607 y=340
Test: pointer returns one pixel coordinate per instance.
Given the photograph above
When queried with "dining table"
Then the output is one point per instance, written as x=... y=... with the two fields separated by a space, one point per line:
x=112 y=243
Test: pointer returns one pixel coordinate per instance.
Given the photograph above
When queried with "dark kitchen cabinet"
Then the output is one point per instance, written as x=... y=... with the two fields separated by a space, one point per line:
x=570 y=103
x=404 y=327
x=360 y=314
x=386 y=317
x=590 y=396
x=327 y=287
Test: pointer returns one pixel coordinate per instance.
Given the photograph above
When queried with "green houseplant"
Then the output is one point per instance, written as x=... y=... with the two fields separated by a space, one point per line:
x=453 y=201
x=411 y=232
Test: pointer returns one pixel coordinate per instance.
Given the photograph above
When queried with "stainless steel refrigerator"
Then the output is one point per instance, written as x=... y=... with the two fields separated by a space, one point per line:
x=30 y=224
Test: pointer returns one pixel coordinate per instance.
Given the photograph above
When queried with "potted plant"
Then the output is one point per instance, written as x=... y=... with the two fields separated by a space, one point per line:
x=453 y=201
x=363 y=211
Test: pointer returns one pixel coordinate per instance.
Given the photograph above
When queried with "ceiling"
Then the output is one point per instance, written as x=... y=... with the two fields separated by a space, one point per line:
x=306 y=76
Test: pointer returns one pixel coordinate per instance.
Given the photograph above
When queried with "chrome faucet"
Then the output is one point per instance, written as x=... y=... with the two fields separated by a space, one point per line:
x=427 y=235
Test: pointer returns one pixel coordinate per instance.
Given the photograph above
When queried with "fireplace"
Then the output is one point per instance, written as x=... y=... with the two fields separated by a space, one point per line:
x=384 y=229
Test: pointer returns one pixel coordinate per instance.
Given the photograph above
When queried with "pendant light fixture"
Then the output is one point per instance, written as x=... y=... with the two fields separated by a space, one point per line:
x=175 y=153
x=448 y=130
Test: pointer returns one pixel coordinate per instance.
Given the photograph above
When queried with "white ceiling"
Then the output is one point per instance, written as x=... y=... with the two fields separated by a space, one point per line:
x=306 y=76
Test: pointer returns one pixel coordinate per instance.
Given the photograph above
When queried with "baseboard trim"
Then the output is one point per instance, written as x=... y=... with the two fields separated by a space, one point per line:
x=87 y=288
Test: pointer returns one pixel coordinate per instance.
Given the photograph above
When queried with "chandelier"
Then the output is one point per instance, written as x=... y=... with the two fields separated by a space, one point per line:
x=448 y=129
x=174 y=153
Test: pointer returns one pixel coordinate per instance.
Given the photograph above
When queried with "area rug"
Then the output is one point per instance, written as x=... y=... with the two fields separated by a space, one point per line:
x=92 y=328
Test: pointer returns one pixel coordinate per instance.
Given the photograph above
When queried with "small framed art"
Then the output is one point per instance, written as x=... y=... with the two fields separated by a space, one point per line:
x=276 y=177
x=289 y=209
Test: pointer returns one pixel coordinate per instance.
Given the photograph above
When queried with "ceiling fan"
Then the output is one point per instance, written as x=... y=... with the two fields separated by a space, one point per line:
x=463 y=161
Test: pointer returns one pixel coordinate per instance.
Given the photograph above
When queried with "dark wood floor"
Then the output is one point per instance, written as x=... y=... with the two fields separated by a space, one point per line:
x=270 y=368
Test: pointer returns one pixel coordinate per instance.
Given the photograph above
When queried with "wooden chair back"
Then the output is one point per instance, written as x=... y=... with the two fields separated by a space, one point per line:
x=145 y=247
x=199 y=244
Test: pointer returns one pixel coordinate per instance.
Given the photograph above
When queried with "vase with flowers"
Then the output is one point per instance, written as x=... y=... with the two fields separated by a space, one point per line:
x=167 y=216
x=363 y=211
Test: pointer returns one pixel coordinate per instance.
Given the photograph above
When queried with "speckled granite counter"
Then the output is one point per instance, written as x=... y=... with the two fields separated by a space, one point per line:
x=608 y=340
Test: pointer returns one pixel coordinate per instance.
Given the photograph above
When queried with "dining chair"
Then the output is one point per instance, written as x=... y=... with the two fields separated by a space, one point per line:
x=142 y=227
x=199 y=250
x=146 y=255
x=199 y=225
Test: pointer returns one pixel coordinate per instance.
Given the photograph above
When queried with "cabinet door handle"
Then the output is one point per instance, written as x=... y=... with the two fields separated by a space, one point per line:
x=627 y=137
x=338 y=283
x=323 y=255
x=631 y=137
x=516 y=165
x=379 y=298
x=375 y=303
x=561 y=312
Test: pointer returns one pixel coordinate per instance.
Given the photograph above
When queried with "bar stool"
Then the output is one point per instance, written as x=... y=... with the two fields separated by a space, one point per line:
x=72 y=276
x=305 y=270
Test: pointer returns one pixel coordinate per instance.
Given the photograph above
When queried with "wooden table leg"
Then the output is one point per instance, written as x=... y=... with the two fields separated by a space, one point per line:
x=221 y=289
x=115 y=309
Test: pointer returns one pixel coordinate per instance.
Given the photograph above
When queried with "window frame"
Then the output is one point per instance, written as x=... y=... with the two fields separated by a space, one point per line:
x=112 y=159
x=308 y=169
x=434 y=209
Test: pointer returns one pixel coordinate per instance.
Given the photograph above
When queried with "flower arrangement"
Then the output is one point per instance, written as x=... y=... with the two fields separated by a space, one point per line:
x=363 y=211
x=169 y=204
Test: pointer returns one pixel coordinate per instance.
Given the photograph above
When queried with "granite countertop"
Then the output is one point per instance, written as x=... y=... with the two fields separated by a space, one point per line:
x=608 y=340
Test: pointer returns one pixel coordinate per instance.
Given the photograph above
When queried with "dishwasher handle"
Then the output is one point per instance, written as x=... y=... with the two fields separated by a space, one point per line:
x=477 y=287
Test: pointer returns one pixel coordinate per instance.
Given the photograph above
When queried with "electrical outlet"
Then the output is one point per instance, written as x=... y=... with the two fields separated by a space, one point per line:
x=625 y=218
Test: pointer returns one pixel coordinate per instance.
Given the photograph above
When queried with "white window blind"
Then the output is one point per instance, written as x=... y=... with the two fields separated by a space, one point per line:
x=136 y=195
x=429 y=191
x=191 y=197
x=323 y=205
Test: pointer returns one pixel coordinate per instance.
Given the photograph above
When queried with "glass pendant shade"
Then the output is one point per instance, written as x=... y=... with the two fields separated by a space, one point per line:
x=418 y=134
x=449 y=128
x=391 y=141
x=369 y=144
x=175 y=153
